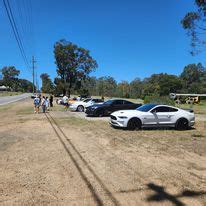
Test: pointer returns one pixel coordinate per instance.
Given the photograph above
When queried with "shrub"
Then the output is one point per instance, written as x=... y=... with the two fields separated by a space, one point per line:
x=159 y=100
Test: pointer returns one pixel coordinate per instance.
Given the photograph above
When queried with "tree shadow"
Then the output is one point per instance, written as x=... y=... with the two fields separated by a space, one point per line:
x=161 y=195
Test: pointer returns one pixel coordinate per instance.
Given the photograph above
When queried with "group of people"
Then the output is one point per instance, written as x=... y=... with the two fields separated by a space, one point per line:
x=43 y=102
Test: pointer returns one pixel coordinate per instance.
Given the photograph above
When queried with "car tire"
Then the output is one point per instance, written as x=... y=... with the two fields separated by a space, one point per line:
x=80 y=108
x=134 y=124
x=182 y=124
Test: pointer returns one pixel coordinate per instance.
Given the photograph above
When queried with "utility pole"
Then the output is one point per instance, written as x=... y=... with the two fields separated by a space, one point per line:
x=37 y=86
x=33 y=73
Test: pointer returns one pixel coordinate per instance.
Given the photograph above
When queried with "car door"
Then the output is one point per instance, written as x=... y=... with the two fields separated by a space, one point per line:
x=149 y=119
x=162 y=114
x=128 y=105
x=116 y=105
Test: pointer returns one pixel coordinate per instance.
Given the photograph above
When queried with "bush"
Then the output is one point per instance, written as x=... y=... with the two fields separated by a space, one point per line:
x=159 y=100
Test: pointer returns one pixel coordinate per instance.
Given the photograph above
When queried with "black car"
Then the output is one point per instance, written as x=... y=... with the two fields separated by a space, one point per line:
x=110 y=106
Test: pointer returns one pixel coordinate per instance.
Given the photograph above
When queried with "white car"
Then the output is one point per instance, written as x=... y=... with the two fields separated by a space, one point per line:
x=81 y=105
x=153 y=115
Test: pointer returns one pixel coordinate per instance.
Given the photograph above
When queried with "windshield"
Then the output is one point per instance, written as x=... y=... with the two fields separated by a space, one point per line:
x=108 y=102
x=146 y=107
x=86 y=100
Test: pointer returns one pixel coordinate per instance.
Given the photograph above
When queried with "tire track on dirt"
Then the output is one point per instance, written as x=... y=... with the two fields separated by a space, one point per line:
x=100 y=193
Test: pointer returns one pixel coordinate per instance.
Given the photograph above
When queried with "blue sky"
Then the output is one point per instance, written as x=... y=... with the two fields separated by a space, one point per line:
x=127 y=38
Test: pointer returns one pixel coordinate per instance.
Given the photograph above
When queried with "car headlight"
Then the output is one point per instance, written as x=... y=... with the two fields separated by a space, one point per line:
x=122 y=117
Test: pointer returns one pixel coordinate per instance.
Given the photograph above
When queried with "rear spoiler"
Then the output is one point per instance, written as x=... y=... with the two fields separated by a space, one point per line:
x=188 y=109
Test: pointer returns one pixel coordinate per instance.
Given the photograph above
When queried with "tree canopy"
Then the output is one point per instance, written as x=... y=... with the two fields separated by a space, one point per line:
x=10 y=79
x=47 y=84
x=74 y=64
x=194 y=23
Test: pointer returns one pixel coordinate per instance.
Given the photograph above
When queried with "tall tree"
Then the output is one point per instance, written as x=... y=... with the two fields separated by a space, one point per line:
x=24 y=85
x=73 y=64
x=193 y=78
x=161 y=84
x=194 y=23
x=10 y=77
x=47 y=84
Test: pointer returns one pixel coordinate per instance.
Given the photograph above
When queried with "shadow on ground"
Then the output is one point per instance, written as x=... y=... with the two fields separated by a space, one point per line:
x=161 y=195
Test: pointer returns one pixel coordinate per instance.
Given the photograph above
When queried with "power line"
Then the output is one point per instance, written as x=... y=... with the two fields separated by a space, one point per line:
x=15 y=31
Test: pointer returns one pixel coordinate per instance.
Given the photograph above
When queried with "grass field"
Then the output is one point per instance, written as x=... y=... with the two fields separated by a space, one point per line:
x=198 y=108
x=43 y=162
x=4 y=94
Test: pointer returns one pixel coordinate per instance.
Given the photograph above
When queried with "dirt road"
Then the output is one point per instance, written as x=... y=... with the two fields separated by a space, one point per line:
x=58 y=159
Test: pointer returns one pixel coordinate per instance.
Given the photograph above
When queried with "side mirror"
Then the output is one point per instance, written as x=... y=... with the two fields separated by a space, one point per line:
x=154 y=112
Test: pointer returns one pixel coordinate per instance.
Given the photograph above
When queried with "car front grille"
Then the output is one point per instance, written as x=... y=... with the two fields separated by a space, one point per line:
x=113 y=117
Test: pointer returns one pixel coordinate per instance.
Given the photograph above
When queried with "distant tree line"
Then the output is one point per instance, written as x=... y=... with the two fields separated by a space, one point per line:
x=191 y=80
x=10 y=79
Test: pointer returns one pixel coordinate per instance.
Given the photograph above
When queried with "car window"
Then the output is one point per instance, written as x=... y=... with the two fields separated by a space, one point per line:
x=173 y=109
x=109 y=102
x=86 y=100
x=164 y=109
x=127 y=102
x=117 y=102
x=146 y=107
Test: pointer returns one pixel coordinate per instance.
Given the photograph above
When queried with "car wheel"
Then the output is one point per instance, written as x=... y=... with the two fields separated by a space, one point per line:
x=80 y=108
x=134 y=123
x=181 y=124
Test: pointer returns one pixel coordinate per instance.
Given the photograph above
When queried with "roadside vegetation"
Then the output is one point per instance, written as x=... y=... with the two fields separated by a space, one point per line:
x=6 y=93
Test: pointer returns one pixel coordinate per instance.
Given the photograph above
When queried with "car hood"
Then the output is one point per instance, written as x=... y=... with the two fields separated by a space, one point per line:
x=78 y=103
x=126 y=112
x=97 y=105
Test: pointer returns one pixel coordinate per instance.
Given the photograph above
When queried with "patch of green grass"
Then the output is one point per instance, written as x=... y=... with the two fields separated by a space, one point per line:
x=198 y=108
x=3 y=94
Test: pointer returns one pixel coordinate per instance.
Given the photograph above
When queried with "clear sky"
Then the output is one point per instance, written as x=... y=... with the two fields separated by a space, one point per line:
x=127 y=38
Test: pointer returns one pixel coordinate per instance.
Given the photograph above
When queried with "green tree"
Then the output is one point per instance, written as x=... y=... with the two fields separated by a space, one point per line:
x=136 y=88
x=161 y=84
x=47 y=84
x=24 y=85
x=123 y=89
x=73 y=64
x=194 y=78
x=106 y=86
x=194 y=23
x=10 y=77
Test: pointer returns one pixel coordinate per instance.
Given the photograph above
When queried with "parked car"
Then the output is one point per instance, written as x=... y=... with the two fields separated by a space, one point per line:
x=81 y=105
x=110 y=106
x=153 y=115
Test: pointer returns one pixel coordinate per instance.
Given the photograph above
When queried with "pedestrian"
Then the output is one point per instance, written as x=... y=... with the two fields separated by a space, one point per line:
x=78 y=98
x=43 y=104
x=47 y=104
x=65 y=102
x=36 y=104
x=51 y=101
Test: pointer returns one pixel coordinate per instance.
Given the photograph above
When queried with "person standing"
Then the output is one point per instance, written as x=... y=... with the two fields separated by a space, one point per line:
x=65 y=101
x=47 y=104
x=43 y=104
x=51 y=101
x=36 y=104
